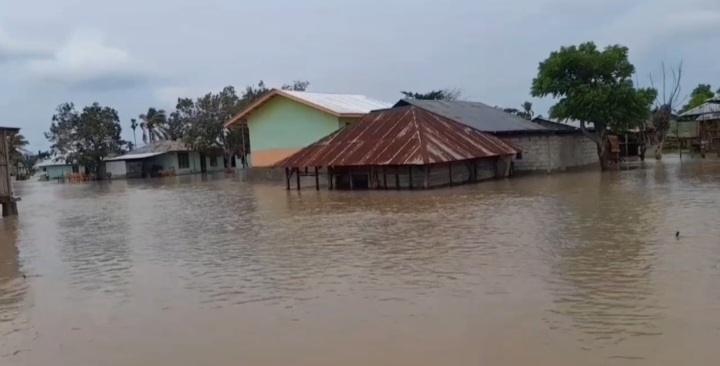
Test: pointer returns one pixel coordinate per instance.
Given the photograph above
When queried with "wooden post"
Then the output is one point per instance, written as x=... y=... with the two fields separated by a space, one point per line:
x=450 y=171
x=317 y=179
x=410 y=179
x=384 y=178
x=6 y=151
x=397 y=177
x=351 y=180
x=287 y=178
x=297 y=177
x=330 y=178
x=426 y=170
x=474 y=163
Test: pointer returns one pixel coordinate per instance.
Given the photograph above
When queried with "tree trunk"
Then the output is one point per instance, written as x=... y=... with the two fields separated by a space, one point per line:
x=100 y=173
x=602 y=155
x=659 y=149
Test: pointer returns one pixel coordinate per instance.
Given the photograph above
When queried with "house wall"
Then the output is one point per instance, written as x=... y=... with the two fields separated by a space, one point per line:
x=5 y=187
x=116 y=168
x=59 y=171
x=439 y=174
x=170 y=161
x=548 y=153
x=282 y=127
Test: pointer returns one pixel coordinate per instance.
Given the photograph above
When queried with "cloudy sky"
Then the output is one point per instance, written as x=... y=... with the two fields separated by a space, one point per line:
x=135 y=54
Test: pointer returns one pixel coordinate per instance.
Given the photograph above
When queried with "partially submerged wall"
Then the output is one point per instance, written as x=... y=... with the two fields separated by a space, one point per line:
x=552 y=153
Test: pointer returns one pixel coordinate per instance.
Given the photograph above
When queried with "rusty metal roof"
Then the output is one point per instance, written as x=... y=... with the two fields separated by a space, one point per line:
x=399 y=136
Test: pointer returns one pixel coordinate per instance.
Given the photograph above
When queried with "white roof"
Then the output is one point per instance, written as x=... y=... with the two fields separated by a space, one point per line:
x=135 y=156
x=50 y=162
x=340 y=103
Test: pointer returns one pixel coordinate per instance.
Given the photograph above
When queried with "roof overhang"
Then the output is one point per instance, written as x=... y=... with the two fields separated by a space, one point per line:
x=9 y=129
x=242 y=116
x=135 y=156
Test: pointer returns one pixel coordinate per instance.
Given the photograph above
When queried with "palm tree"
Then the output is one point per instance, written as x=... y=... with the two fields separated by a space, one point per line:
x=527 y=112
x=134 y=125
x=152 y=125
x=16 y=144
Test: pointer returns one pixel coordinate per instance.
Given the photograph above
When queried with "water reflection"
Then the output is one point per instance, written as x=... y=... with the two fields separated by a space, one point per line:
x=552 y=270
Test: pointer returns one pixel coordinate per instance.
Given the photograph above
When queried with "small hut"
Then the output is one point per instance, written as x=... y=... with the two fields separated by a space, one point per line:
x=7 y=200
x=402 y=148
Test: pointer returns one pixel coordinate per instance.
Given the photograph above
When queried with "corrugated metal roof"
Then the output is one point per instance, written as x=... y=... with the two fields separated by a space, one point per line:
x=340 y=105
x=51 y=162
x=161 y=147
x=710 y=107
x=475 y=114
x=134 y=156
x=399 y=136
x=9 y=129
x=554 y=125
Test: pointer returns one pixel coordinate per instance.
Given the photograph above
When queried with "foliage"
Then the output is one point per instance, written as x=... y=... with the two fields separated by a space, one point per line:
x=86 y=137
x=440 y=94
x=526 y=111
x=153 y=125
x=16 y=145
x=699 y=95
x=594 y=86
x=134 y=125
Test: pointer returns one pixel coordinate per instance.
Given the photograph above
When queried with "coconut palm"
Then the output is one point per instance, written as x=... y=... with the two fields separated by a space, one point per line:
x=134 y=125
x=16 y=145
x=153 y=124
x=527 y=112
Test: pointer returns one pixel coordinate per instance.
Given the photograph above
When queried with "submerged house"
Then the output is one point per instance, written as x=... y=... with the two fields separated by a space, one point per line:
x=7 y=199
x=701 y=125
x=283 y=122
x=163 y=158
x=544 y=147
x=401 y=148
x=57 y=168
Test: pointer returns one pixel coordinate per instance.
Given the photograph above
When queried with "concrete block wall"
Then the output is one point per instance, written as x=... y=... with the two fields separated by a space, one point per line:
x=549 y=153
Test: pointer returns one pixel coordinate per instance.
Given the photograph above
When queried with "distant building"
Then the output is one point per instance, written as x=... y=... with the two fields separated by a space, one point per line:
x=163 y=158
x=401 y=148
x=283 y=122
x=545 y=147
x=57 y=167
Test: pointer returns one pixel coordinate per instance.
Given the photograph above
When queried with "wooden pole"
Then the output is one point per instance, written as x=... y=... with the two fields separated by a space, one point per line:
x=297 y=177
x=426 y=169
x=351 y=180
x=474 y=163
x=287 y=178
x=317 y=179
x=384 y=178
x=397 y=177
x=330 y=178
x=450 y=171
x=6 y=152
x=410 y=179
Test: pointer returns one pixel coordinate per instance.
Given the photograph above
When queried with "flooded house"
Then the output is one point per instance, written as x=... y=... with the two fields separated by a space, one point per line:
x=163 y=158
x=7 y=200
x=401 y=148
x=546 y=146
x=282 y=122
x=57 y=168
x=701 y=126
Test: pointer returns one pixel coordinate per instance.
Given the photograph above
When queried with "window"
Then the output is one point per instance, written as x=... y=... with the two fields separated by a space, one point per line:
x=213 y=161
x=183 y=160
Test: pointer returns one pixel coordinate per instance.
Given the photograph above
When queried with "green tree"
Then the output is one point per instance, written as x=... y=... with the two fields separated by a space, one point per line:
x=86 y=137
x=153 y=125
x=699 y=95
x=440 y=94
x=594 y=86
x=527 y=111
x=16 y=144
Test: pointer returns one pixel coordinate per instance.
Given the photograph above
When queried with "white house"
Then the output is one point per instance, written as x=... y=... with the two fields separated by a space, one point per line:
x=163 y=158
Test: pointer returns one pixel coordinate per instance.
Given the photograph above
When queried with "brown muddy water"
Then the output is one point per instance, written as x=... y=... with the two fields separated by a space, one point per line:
x=569 y=269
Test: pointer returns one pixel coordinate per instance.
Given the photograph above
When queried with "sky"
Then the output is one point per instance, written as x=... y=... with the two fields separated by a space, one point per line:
x=134 y=54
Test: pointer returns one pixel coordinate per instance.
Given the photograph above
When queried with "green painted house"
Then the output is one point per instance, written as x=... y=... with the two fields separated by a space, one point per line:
x=282 y=122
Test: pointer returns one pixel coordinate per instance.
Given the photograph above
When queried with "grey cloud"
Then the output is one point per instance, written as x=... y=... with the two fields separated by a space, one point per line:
x=14 y=49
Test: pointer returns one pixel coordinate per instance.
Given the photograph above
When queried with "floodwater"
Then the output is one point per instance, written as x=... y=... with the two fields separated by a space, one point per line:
x=568 y=269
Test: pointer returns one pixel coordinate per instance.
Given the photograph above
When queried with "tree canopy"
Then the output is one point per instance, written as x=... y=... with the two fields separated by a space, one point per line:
x=699 y=95
x=86 y=137
x=595 y=86
x=440 y=94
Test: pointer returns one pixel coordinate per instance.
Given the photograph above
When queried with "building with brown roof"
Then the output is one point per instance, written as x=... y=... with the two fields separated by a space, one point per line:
x=402 y=148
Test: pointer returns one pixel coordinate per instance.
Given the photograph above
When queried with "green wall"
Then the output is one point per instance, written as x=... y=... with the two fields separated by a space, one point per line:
x=285 y=124
x=58 y=171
